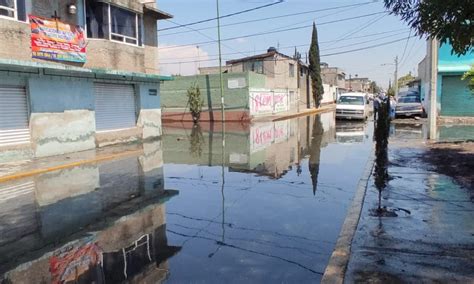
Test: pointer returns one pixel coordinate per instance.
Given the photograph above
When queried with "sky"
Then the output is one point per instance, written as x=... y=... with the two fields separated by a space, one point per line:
x=182 y=50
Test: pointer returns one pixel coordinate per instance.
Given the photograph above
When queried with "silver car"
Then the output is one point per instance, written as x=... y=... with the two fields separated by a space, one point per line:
x=409 y=105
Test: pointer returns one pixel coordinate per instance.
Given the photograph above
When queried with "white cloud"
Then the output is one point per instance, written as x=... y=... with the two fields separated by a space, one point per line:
x=183 y=60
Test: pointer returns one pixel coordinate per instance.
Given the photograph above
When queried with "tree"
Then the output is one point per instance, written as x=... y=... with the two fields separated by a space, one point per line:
x=195 y=102
x=374 y=89
x=315 y=68
x=447 y=20
x=469 y=75
x=404 y=80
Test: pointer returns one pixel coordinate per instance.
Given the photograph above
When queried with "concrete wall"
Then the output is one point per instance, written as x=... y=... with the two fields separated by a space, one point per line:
x=333 y=76
x=62 y=116
x=236 y=88
x=101 y=53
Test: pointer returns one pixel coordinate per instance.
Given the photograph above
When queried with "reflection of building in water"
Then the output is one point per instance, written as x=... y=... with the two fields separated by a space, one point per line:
x=103 y=224
x=266 y=148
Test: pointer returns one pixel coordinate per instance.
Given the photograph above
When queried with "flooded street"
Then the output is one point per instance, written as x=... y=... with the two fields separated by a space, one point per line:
x=266 y=205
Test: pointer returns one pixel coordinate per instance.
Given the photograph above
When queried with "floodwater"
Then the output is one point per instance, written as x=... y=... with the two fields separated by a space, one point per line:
x=266 y=205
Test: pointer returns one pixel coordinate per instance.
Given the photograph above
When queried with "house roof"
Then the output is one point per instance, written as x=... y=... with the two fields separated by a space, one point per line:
x=259 y=56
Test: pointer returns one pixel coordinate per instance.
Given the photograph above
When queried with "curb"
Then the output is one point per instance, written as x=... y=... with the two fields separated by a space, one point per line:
x=337 y=266
x=304 y=113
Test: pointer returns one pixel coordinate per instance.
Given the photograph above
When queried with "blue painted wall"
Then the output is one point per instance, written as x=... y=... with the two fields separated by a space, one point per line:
x=59 y=94
x=459 y=63
x=145 y=100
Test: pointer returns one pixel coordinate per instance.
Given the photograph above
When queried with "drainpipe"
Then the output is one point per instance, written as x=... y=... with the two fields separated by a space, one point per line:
x=432 y=116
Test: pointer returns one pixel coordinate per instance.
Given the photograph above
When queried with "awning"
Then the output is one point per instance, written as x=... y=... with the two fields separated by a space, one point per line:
x=16 y=66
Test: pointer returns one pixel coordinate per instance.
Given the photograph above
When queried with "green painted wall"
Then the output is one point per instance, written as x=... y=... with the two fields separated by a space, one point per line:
x=181 y=146
x=174 y=93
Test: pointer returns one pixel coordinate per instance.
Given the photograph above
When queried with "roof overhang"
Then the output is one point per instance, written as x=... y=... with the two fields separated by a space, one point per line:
x=39 y=68
x=156 y=13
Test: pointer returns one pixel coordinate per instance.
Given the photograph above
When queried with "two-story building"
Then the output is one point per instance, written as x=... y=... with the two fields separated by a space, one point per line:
x=358 y=84
x=77 y=74
x=281 y=72
x=333 y=76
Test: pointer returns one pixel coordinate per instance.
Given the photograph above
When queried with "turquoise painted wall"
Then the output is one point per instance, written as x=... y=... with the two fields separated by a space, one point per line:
x=456 y=98
x=453 y=96
x=55 y=94
x=174 y=93
x=449 y=61
x=146 y=101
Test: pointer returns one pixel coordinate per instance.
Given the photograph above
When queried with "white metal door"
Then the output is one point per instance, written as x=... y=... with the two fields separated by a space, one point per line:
x=114 y=106
x=14 y=127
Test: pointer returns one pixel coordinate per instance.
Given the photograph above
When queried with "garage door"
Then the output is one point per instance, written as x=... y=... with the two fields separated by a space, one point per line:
x=456 y=98
x=114 y=106
x=14 y=127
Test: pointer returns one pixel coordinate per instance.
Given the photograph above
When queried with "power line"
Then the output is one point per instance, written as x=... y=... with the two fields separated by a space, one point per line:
x=322 y=55
x=224 y=16
x=360 y=28
x=273 y=17
x=405 y=49
x=364 y=48
x=388 y=33
x=272 y=32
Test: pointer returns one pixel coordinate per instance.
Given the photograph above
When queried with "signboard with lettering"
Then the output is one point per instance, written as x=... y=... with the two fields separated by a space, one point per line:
x=54 y=40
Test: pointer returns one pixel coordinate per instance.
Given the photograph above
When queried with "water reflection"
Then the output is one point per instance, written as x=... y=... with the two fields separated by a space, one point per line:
x=268 y=208
x=245 y=212
x=94 y=223
x=351 y=131
x=315 y=151
x=268 y=149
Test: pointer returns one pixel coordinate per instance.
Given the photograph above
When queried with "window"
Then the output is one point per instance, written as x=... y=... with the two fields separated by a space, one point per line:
x=113 y=23
x=14 y=9
x=291 y=70
x=254 y=66
x=124 y=25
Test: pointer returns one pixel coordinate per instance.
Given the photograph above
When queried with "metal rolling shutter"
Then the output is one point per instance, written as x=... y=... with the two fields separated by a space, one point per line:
x=456 y=98
x=14 y=127
x=114 y=106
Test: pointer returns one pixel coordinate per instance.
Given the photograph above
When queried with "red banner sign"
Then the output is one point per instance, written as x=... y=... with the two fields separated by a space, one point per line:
x=54 y=40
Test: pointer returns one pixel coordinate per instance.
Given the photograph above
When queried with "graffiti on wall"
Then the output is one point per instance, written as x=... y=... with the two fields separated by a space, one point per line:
x=261 y=102
x=268 y=101
x=263 y=135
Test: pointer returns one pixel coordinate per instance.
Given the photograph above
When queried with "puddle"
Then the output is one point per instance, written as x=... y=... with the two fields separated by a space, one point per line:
x=268 y=206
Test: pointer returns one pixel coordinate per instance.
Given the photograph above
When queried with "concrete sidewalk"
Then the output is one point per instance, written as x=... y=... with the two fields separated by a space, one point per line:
x=432 y=237
x=288 y=115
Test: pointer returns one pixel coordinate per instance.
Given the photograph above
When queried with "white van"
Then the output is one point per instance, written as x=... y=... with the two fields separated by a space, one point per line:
x=352 y=106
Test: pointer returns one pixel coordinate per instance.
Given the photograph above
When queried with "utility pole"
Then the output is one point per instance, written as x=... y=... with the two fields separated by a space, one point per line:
x=350 y=82
x=432 y=116
x=220 y=62
x=395 y=83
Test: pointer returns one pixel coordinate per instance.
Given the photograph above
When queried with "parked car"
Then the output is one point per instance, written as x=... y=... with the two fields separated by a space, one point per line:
x=409 y=105
x=352 y=106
